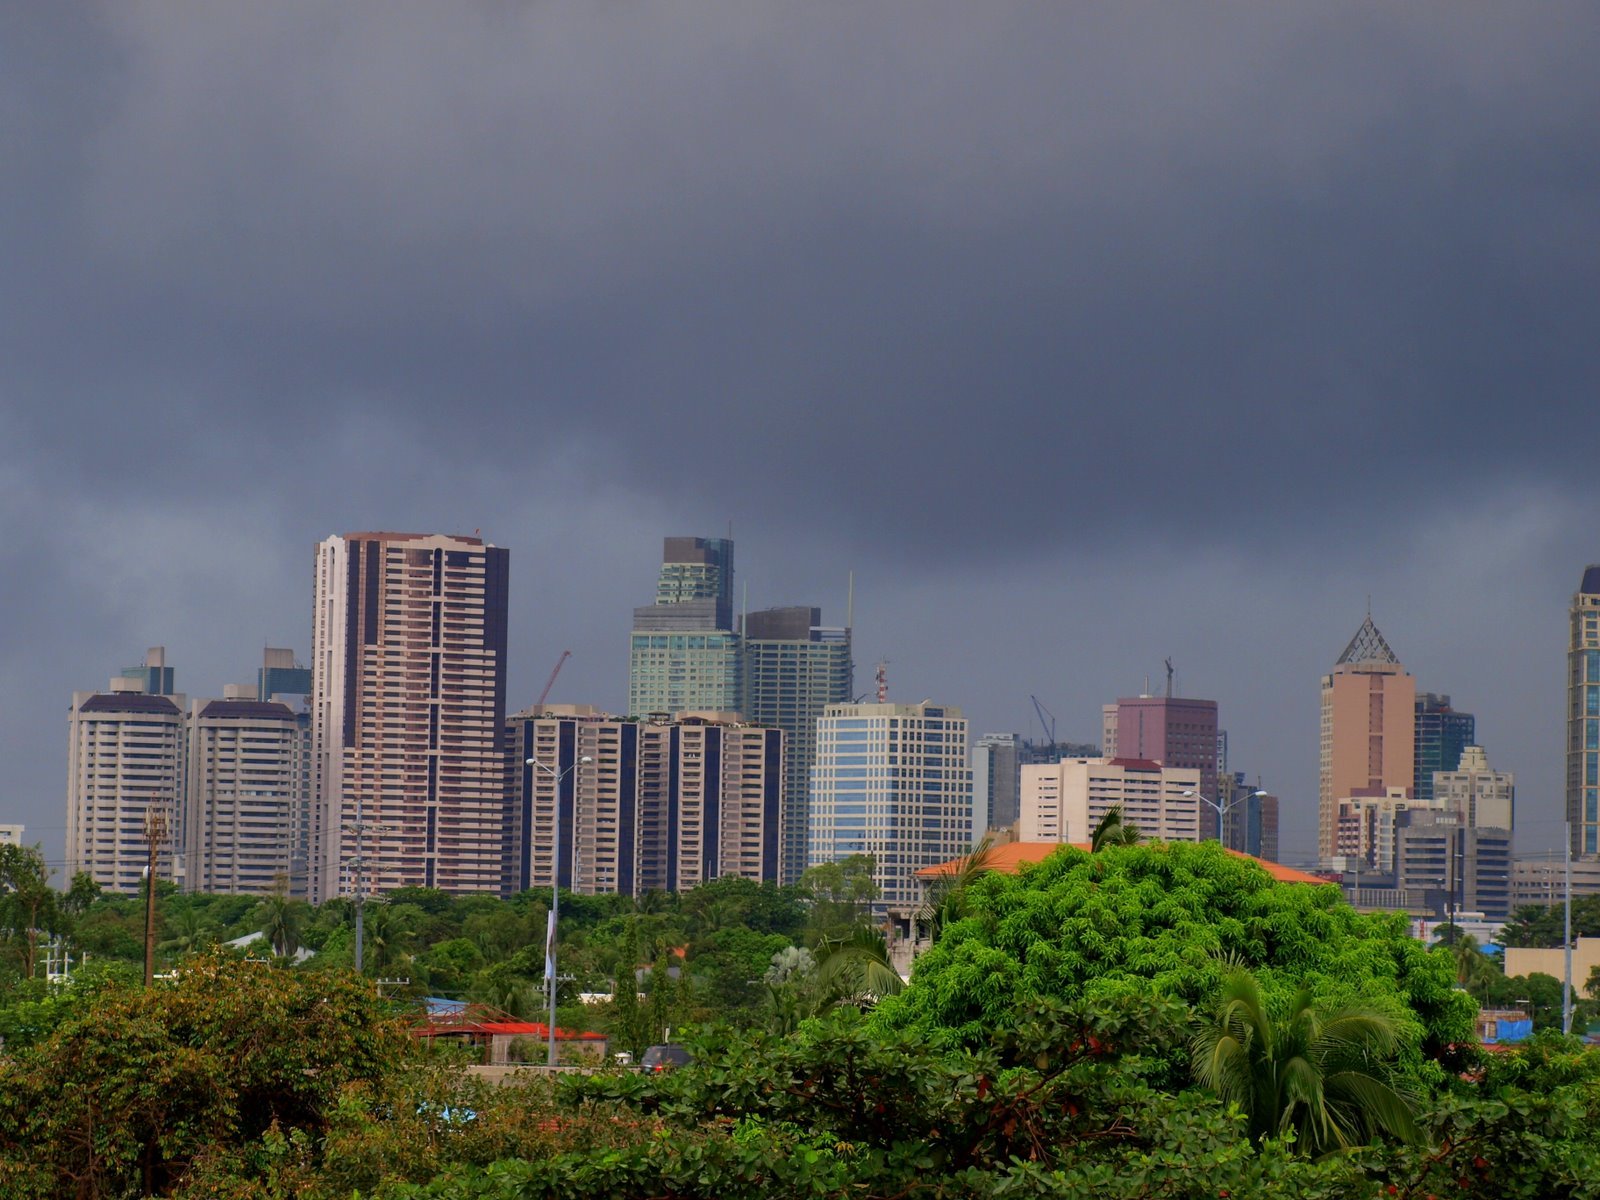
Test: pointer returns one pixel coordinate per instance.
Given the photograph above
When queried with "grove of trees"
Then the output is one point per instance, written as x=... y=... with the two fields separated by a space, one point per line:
x=1142 y=1021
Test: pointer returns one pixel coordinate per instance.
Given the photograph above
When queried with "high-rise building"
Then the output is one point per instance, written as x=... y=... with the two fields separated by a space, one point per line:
x=996 y=774
x=1481 y=794
x=1442 y=734
x=1260 y=825
x=152 y=677
x=1250 y=816
x=281 y=675
x=794 y=667
x=892 y=781
x=245 y=788
x=1064 y=801
x=684 y=652
x=125 y=763
x=1367 y=731
x=408 y=672
x=1174 y=732
x=1446 y=867
x=1583 y=716
x=658 y=805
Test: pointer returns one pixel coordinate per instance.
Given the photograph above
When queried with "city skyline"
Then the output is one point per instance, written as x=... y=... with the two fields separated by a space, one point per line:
x=1296 y=845
x=1083 y=339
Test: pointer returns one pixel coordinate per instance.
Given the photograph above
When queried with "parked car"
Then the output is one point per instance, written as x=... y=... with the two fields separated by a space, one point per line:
x=665 y=1057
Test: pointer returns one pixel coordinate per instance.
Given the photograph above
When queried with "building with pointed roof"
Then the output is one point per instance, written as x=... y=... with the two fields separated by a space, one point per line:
x=1368 y=729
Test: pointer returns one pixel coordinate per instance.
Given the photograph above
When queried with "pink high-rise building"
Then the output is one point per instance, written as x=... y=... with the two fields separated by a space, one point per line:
x=1174 y=732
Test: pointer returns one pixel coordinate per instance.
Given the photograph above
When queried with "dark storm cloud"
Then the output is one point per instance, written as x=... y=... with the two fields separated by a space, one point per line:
x=871 y=253
x=942 y=286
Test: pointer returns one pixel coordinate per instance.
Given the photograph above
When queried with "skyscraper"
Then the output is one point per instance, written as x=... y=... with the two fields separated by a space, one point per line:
x=657 y=806
x=1442 y=734
x=1174 y=732
x=794 y=667
x=892 y=781
x=125 y=761
x=1583 y=716
x=1484 y=796
x=1368 y=729
x=996 y=772
x=408 y=685
x=684 y=653
x=245 y=777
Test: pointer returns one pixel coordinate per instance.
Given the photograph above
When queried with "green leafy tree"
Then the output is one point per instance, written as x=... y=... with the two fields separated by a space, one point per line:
x=126 y=1094
x=1169 y=918
x=841 y=895
x=1317 y=1075
x=28 y=905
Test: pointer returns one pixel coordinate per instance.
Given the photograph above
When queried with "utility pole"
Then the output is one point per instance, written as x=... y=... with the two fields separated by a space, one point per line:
x=155 y=832
x=1566 y=988
x=360 y=828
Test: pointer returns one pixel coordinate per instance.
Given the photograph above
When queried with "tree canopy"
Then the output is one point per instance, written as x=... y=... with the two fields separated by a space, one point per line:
x=1170 y=919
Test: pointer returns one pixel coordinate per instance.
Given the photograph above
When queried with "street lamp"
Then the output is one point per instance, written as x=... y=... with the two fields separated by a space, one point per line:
x=1222 y=808
x=555 y=892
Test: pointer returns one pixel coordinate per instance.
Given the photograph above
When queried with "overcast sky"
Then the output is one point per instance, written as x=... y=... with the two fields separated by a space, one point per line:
x=1084 y=334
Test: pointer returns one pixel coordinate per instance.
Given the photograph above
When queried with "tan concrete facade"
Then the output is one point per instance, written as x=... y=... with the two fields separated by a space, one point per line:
x=1064 y=801
x=1368 y=730
x=1521 y=960
x=1485 y=796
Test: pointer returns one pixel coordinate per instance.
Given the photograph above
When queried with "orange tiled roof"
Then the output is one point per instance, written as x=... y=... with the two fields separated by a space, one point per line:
x=1011 y=857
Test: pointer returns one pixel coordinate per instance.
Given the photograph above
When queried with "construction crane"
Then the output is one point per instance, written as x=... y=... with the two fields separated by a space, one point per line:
x=551 y=682
x=1049 y=726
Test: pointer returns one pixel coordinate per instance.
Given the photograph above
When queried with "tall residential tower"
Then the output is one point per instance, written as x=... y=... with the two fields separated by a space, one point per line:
x=408 y=673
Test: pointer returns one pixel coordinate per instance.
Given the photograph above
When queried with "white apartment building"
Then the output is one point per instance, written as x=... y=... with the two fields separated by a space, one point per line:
x=11 y=835
x=245 y=785
x=1064 y=801
x=125 y=760
x=892 y=781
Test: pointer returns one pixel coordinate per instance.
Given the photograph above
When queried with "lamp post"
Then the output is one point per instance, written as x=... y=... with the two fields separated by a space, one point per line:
x=1222 y=808
x=555 y=893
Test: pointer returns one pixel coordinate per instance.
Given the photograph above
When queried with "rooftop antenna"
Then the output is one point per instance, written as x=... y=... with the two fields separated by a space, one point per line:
x=883 y=681
x=744 y=605
x=1169 y=679
x=850 y=603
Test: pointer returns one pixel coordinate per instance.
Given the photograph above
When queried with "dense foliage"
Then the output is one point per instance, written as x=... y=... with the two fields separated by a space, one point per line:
x=1170 y=919
x=1146 y=1021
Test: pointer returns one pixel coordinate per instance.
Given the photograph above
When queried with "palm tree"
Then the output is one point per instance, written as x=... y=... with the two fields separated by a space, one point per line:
x=188 y=930
x=383 y=937
x=946 y=900
x=1113 y=831
x=281 y=921
x=1314 y=1074
x=854 y=969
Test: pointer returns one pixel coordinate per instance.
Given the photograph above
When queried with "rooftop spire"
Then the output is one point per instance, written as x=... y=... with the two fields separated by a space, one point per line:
x=1368 y=646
